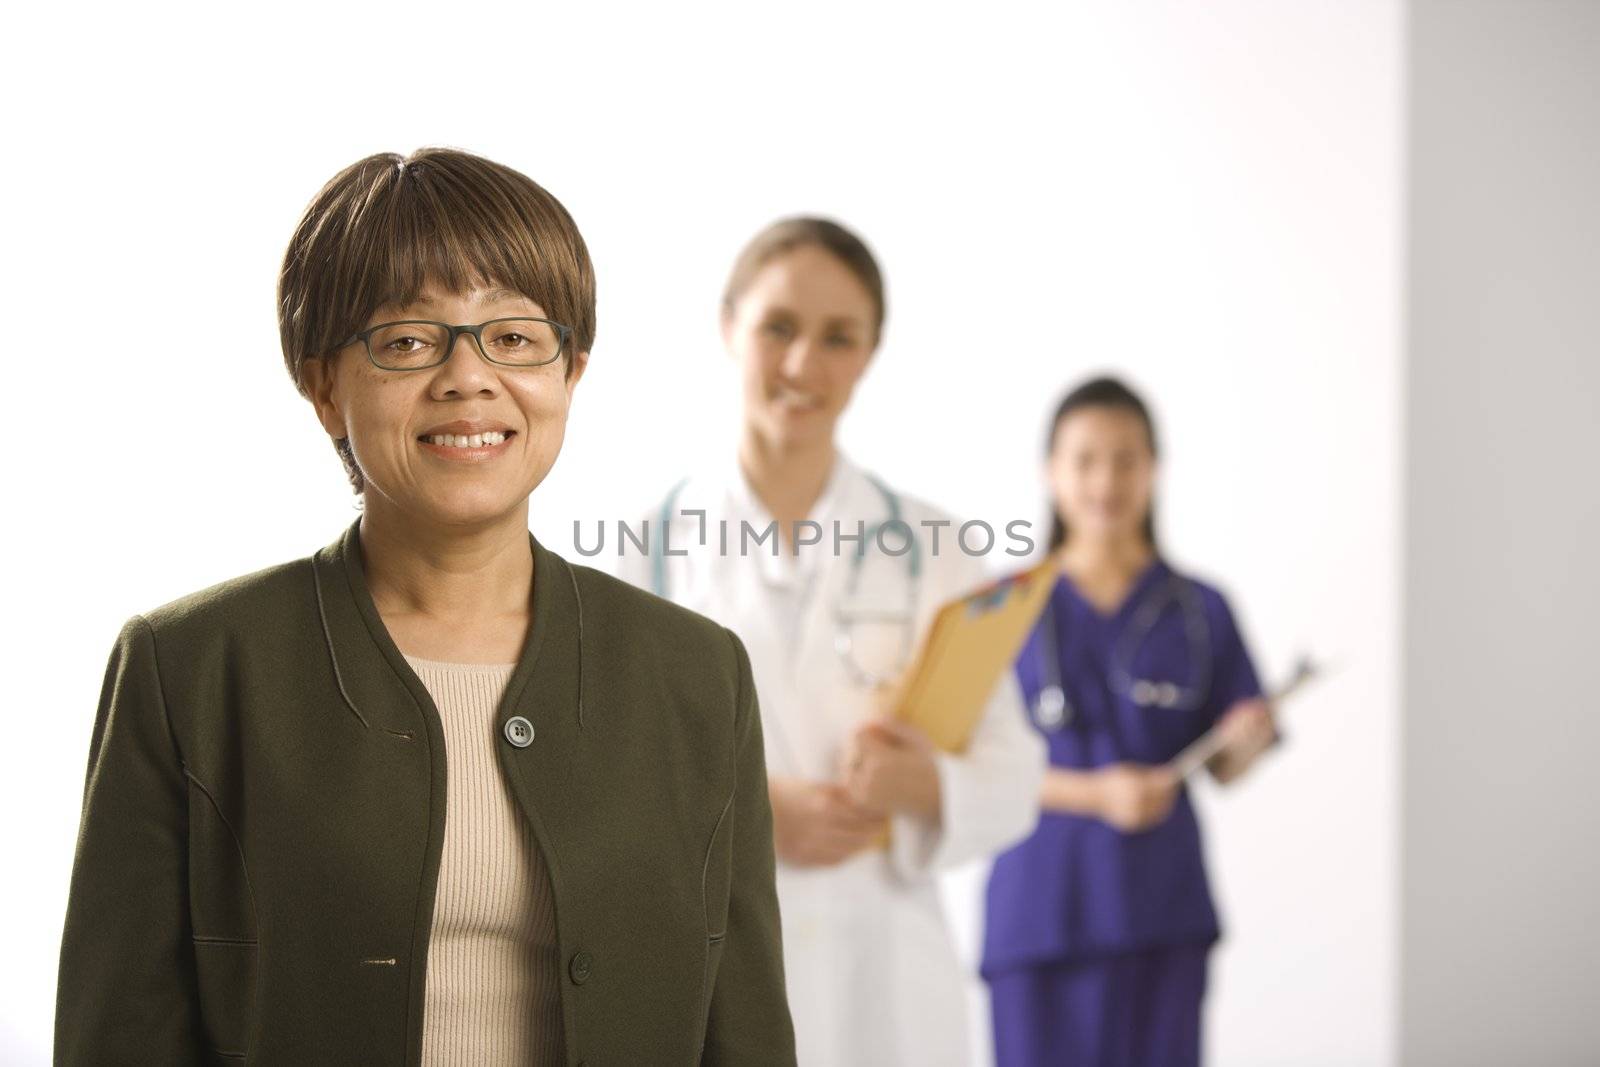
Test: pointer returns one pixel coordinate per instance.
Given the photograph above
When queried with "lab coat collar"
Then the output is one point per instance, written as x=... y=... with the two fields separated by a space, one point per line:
x=788 y=567
x=815 y=736
x=367 y=664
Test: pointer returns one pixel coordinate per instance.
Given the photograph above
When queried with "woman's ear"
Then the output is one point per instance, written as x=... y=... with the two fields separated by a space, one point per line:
x=579 y=364
x=318 y=379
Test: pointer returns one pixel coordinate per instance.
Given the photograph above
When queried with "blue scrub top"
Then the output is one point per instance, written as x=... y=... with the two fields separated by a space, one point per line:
x=1077 y=887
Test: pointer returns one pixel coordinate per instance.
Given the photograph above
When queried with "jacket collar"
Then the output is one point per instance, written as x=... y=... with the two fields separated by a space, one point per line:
x=373 y=676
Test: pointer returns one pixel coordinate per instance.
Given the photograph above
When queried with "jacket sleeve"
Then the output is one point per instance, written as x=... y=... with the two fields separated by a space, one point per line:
x=126 y=989
x=988 y=793
x=749 y=1019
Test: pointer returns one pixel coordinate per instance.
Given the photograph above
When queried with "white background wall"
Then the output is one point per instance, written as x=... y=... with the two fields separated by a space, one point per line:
x=1501 y=945
x=1203 y=196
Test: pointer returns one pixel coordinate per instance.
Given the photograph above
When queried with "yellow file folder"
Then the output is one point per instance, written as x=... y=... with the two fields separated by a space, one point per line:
x=971 y=643
x=973 y=640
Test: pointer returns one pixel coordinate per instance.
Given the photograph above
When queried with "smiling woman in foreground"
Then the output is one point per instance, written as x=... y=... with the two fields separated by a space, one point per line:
x=432 y=794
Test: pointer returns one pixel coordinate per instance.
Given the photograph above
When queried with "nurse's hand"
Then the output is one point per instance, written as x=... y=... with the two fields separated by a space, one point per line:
x=889 y=765
x=1134 y=796
x=818 y=824
x=1250 y=730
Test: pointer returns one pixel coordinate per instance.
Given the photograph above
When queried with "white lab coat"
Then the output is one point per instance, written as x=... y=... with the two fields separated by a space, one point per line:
x=872 y=972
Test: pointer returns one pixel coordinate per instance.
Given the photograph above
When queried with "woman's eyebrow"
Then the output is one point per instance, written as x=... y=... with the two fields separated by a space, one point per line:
x=495 y=296
x=428 y=302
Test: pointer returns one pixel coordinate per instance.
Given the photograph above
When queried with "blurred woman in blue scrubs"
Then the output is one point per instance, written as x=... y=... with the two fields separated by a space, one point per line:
x=1099 y=924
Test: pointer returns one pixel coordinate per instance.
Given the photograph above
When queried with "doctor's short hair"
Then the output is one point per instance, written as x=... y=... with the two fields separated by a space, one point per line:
x=388 y=225
x=785 y=236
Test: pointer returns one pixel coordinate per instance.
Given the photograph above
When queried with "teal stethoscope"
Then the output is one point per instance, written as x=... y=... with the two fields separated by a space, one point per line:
x=1053 y=711
x=845 y=618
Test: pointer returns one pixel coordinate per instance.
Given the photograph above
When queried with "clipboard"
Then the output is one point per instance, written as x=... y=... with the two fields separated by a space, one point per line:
x=972 y=641
x=1210 y=743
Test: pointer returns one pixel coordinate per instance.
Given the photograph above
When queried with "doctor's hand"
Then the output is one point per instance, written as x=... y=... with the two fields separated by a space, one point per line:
x=818 y=824
x=889 y=765
x=1134 y=796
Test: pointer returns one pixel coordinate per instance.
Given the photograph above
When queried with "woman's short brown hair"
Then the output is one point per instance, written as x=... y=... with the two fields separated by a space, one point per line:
x=386 y=226
x=785 y=235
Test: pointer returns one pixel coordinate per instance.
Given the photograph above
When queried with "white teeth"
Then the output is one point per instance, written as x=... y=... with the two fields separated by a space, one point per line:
x=477 y=440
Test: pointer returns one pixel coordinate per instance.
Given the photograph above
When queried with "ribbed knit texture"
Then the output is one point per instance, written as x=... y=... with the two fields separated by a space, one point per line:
x=493 y=982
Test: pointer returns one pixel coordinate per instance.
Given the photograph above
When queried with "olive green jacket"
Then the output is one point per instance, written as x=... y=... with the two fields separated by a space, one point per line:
x=265 y=809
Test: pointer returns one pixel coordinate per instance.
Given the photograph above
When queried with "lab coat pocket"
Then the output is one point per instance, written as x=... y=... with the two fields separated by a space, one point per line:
x=225 y=971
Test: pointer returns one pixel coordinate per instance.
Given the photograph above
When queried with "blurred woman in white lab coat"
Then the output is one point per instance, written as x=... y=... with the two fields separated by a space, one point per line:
x=831 y=604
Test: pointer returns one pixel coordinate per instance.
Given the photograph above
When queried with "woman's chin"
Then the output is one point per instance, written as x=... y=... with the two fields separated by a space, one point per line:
x=1100 y=529
x=801 y=426
x=471 y=507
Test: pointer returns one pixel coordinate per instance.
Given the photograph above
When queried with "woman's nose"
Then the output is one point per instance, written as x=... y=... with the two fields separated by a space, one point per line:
x=464 y=366
x=798 y=357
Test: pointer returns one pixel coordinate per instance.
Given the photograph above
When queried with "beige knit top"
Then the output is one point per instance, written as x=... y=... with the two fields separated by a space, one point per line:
x=493 y=981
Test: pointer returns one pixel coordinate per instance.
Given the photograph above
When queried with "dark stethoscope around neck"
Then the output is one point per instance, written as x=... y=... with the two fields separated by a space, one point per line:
x=1052 y=710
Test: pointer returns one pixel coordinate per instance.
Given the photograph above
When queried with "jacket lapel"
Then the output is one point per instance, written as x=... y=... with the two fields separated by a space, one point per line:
x=380 y=689
x=375 y=680
x=371 y=688
x=369 y=666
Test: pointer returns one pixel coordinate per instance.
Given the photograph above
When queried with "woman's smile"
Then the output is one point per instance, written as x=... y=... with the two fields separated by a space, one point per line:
x=795 y=402
x=467 y=448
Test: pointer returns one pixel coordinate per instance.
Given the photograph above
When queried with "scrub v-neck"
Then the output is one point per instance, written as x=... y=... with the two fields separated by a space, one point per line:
x=1135 y=593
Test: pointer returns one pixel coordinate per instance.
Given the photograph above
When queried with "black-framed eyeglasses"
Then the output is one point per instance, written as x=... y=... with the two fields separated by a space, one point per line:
x=416 y=344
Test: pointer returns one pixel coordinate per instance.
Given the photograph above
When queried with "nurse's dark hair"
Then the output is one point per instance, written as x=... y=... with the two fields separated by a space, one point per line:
x=386 y=226
x=785 y=236
x=1102 y=392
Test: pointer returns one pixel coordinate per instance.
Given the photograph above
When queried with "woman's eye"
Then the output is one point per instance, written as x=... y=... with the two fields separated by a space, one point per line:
x=841 y=341
x=781 y=330
x=406 y=344
x=511 y=340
